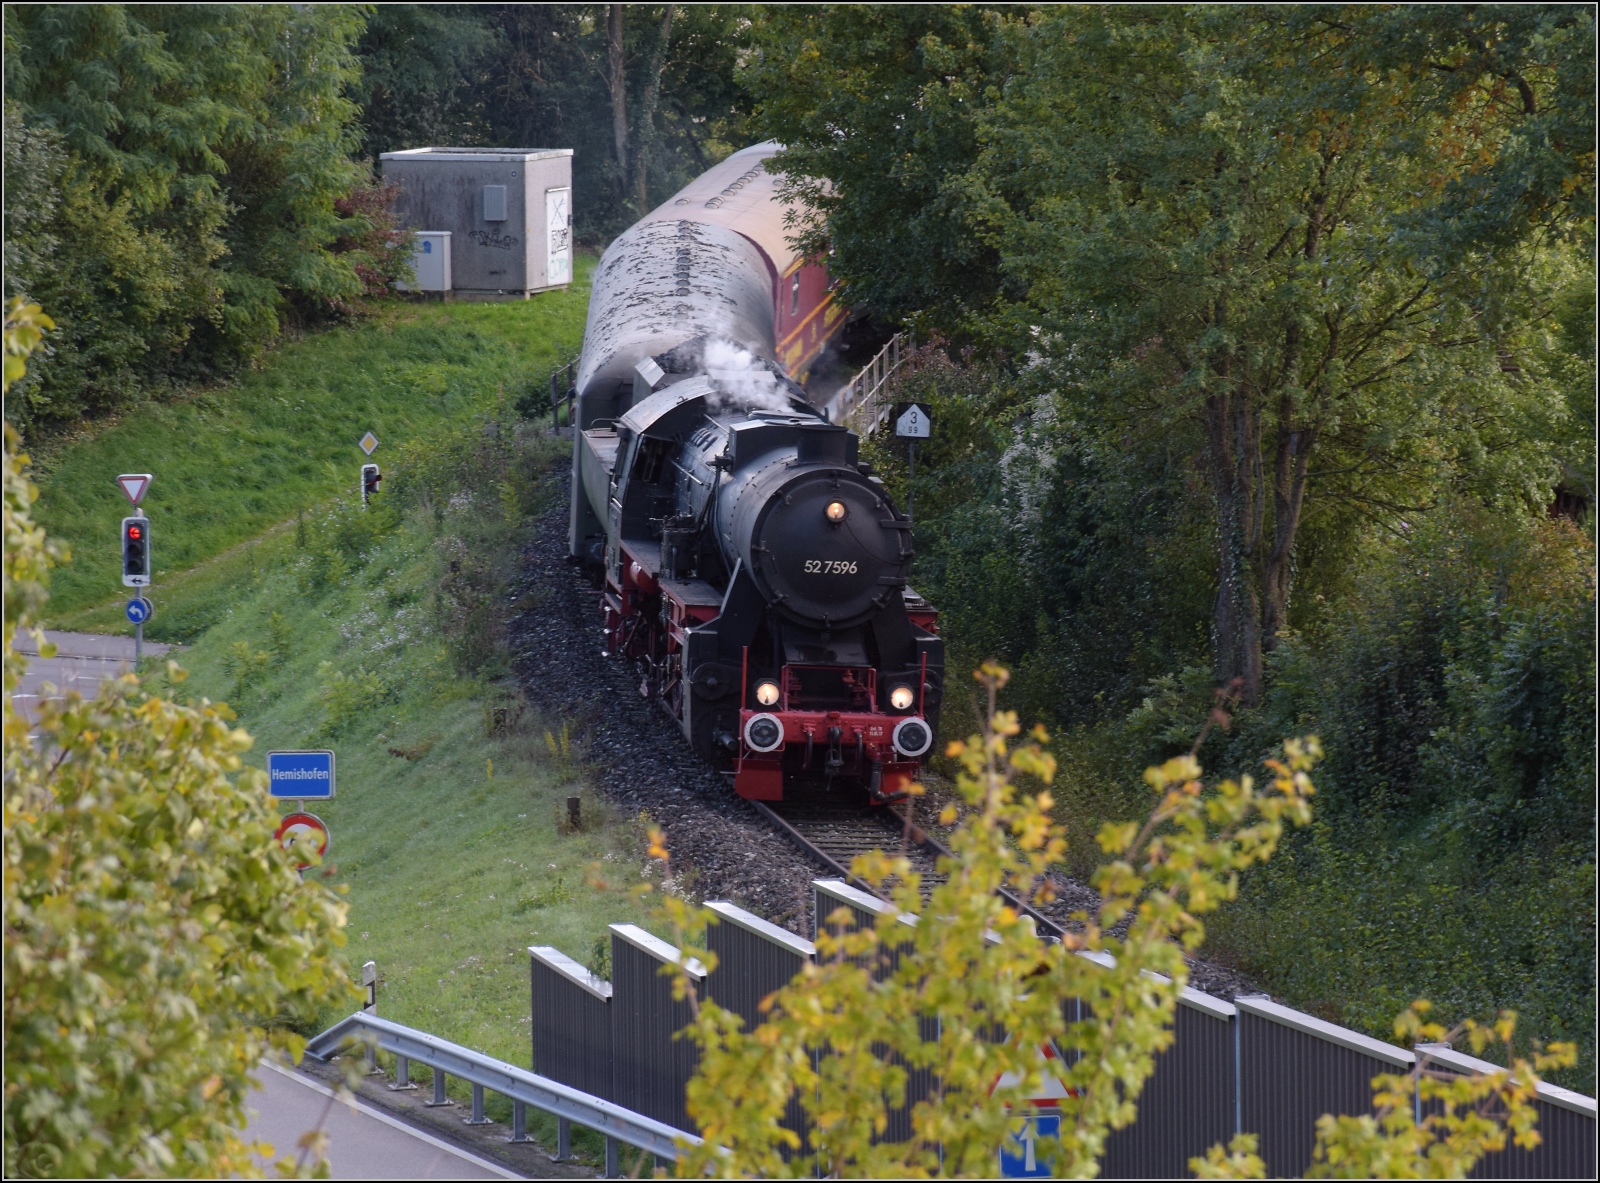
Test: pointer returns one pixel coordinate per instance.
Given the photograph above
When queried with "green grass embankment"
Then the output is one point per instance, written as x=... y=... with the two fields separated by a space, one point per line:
x=233 y=461
x=449 y=837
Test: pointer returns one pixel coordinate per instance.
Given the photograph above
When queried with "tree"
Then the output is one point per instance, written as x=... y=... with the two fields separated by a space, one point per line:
x=1245 y=230
x=1201 y=227
x=419 y=69
x=154 y=929
x=646 y=96
x=206 y=148
x=875 y=105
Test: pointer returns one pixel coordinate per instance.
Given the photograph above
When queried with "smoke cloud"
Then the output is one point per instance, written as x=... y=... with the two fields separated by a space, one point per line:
x=741 y=380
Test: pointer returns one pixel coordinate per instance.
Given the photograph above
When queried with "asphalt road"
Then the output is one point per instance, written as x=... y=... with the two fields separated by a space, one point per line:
x=81 y=663
x=363 y=1143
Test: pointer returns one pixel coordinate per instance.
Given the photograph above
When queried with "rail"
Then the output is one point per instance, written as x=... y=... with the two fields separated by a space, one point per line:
x=521 y=1087
x=562 y=393
x=860 y=404
x=918 y=837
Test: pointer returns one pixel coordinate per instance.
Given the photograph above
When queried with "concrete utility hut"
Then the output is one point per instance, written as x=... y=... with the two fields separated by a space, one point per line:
x=508 y=212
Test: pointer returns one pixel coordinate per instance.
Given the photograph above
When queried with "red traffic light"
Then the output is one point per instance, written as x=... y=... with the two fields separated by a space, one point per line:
x=135 y=533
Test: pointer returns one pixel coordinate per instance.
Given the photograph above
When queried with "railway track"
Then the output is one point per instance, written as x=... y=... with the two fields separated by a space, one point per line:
x=832 y=828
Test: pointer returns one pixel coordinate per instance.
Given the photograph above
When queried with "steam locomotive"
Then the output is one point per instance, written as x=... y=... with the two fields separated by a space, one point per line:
x=753 y=567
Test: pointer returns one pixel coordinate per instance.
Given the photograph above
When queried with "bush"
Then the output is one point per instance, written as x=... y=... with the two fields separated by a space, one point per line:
x=346 y=697
x=1453 y=856
x=482 y=485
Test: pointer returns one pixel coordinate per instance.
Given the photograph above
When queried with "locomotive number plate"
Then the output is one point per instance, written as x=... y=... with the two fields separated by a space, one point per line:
x=830 y=567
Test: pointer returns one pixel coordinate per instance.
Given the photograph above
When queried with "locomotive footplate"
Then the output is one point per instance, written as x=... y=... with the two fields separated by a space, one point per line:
x=858 y=745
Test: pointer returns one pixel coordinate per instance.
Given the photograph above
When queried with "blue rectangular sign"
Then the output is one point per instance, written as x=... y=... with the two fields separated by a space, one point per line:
x=303 y=776
x=1020 y=1156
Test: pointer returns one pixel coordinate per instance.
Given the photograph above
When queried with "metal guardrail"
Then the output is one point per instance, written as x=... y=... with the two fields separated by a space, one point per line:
x=562 y=392
x=860 y=404
x=523 y=1088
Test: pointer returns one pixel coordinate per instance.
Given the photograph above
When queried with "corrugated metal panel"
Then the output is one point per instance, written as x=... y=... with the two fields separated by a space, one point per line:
x=827 y=896
x=571 y=1022
x=1566 y=1127
x=754 y=959
x=650 y=1068
x=1187 y=1105
x=1294 y=1068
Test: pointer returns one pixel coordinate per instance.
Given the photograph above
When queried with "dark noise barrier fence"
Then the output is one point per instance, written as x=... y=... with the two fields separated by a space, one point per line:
x=1245 y=1066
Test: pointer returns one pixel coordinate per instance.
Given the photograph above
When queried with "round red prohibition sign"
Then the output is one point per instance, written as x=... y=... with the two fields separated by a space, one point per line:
x=292 y=827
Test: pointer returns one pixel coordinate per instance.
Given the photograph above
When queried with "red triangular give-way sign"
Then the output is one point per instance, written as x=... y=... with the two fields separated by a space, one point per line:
x=133 y=485
x=1053 y=1089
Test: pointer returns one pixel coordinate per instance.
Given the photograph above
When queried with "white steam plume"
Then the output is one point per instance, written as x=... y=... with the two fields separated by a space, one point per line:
x=741 y=381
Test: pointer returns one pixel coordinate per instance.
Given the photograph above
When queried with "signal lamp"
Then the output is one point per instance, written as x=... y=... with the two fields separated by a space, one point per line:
x=836 y=512
x=901 y=697
x=135 y=552
x=767 y=693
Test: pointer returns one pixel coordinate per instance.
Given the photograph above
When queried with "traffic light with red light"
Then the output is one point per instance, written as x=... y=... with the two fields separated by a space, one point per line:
x=136 y=552
x=370 y=476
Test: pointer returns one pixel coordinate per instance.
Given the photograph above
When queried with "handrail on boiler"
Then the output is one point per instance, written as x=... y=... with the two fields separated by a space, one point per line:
x=522 y=1087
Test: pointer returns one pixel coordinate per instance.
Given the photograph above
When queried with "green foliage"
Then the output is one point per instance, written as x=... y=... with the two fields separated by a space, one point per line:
x=875 y=106
x=205 y=149
x=599 y=963
x=1075 y=554
x=153 y=925
x=281 y=634
x=481 y=484
x=1226 y=230
x=340 y=540
x=347 y=697
x=246 y=665
x=550 y=894
x=864 y=1002
x=1454 y=854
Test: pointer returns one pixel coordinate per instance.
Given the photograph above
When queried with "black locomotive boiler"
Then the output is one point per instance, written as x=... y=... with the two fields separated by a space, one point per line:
x=753 y=568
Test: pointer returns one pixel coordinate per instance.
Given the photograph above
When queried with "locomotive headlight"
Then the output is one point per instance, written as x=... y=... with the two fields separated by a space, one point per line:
x=836 y=512
x=767 y=693
x=901 y=697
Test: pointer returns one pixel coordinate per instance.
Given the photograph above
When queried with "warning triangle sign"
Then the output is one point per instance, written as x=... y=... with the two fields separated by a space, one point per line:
x=133 y=485
x=1052 y=1088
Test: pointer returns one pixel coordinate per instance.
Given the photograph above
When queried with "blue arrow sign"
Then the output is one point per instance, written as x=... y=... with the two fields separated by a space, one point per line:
x=1019 y=1153
x=304 y=776
x=139 y=610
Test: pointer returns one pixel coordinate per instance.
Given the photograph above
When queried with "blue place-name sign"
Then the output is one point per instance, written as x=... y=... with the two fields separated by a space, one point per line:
x=304 y=776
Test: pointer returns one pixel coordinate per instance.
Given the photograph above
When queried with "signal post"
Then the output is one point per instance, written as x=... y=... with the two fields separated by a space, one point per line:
x=137 y=565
